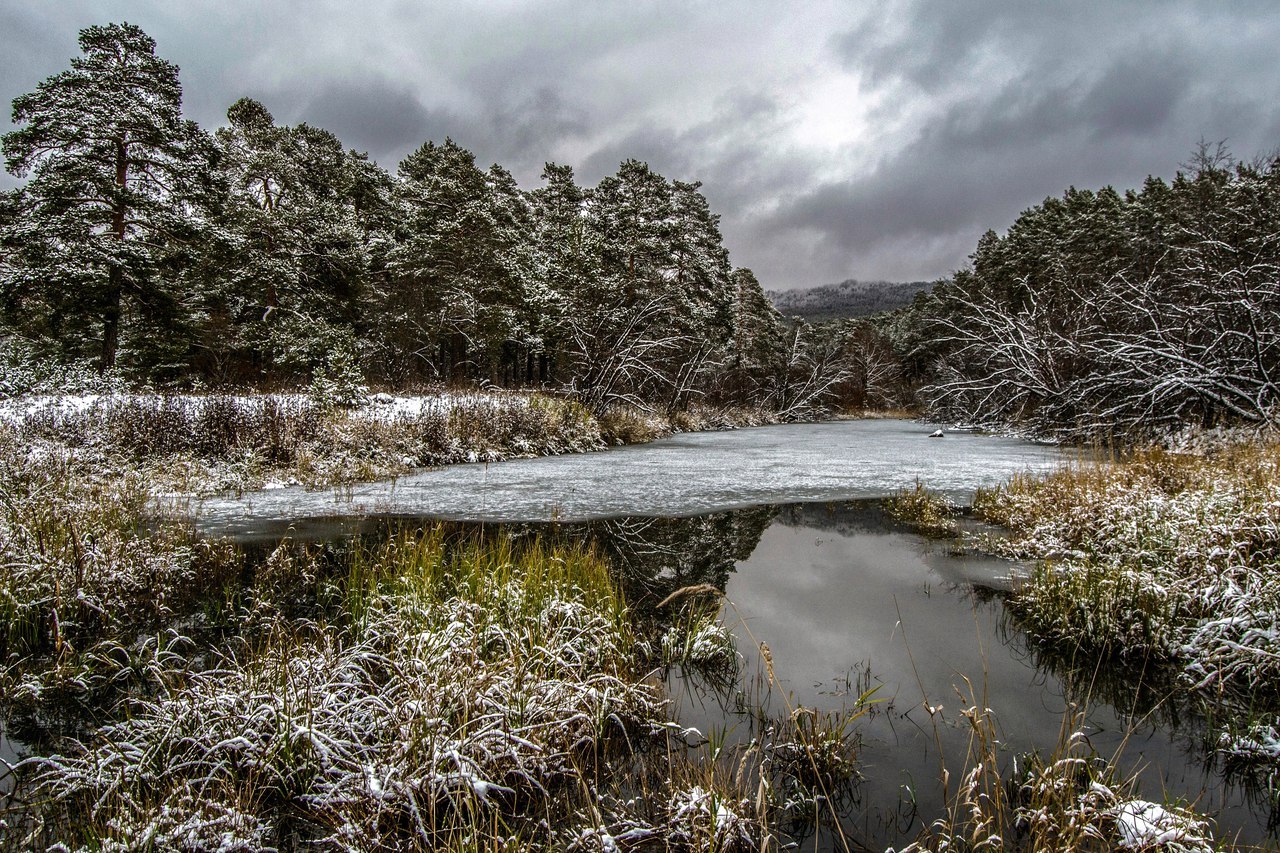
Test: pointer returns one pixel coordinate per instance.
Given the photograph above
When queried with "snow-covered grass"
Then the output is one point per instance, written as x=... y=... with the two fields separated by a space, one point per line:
x=212 y=443
x=467 y=690
x=1166 y=557
x=698 y=639
x=929 y=512
x=796 y=772
x=79 y=564
x=1068 y=799
x=454 y=694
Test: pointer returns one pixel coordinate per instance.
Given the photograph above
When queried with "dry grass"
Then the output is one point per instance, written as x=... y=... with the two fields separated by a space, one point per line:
x=1173 y=558
x=1070 y=799
x=225 y=443
x=928 y=512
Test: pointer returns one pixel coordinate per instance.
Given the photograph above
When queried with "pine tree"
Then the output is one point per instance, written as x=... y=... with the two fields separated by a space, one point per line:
x=461 y=259
x=631 y=216
x=566 y=260
x=304 y=216
x=758 y=335
x=118 y=183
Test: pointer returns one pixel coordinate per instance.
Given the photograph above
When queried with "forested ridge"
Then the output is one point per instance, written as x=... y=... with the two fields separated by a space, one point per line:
x=849 y=299
x=266 y=255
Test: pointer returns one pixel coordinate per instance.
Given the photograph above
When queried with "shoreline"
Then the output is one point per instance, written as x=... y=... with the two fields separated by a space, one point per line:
x=196 y=446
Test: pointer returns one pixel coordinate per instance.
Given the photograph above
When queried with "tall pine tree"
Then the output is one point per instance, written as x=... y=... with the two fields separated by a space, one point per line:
x=117 y=182
x=303 y=214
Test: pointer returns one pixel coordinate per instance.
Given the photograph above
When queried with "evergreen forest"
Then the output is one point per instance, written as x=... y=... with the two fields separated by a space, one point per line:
x=262 y=255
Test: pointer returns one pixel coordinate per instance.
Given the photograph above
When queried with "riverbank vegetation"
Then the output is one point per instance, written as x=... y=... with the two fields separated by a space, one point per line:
x=1068 y=799
x=428 y=689
x=1158 y=564
x=201 y=444
x=1168 y=560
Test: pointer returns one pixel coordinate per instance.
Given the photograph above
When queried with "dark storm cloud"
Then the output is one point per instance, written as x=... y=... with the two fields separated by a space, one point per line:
x=1136 y=95
x=369 y=115
x=1019 y=105
x=522 y=130
x=835 y=139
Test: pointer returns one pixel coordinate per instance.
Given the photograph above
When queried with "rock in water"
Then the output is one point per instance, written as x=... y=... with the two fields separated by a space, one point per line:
x=937 y=433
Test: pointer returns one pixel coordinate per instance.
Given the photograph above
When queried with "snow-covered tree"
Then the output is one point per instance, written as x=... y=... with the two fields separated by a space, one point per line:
x=118 y=182
x=759 y=343
x=460 y=261
x=566 y=261
x=305 y=223
x=1102 y=314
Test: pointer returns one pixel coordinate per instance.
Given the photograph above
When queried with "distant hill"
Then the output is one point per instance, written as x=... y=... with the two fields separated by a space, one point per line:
x=851 y=298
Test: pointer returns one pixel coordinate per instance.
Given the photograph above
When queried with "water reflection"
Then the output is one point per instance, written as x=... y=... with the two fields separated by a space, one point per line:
x=845 y=598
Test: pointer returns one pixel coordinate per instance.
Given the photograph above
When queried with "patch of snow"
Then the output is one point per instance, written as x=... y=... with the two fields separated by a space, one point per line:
x=1142 y=824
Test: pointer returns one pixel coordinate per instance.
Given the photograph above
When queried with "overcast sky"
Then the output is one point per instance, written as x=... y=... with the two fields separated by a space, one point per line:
x=874 y=140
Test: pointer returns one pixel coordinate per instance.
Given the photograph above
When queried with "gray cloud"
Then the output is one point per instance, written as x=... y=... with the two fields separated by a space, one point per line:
x=1136 y=96
x=834 y=140
x=522 y=129
x=1018 y=105
x=369 y=115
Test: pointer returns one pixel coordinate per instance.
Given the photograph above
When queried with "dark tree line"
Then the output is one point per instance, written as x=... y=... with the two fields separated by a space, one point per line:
x=1101 y=314
x=263 y=253
x=266 y=254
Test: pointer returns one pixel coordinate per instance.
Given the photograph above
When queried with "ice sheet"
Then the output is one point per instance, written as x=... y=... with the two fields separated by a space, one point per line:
x=683 y=475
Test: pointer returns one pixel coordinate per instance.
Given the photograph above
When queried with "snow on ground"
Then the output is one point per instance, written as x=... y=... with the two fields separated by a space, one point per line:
x=16 y=409
x=388 y=407
x=1144 y=825
x=384 y=407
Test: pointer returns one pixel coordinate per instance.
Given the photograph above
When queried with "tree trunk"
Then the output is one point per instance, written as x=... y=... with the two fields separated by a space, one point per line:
x=111 y=321
x=115 y=279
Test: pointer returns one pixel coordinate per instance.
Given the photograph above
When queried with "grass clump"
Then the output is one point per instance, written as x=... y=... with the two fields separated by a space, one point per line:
x=811 y=765
x=468 y=689
x=698 y=639
x=1069 y=799
x=926 y=510
x=82 y=562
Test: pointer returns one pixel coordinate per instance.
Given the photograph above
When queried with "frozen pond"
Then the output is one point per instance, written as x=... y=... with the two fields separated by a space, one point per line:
x=682 y=475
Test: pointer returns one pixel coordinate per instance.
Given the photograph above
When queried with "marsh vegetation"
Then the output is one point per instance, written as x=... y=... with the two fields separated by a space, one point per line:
x=465 y=687
x=427 y=687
